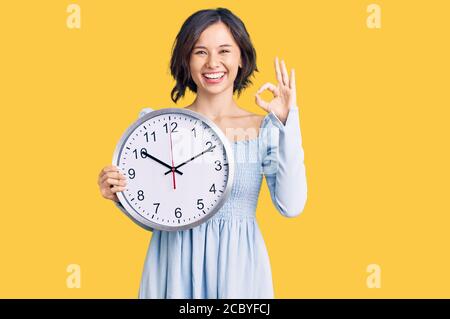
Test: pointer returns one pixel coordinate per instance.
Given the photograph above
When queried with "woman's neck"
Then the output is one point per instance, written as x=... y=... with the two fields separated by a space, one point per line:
x=215 y=106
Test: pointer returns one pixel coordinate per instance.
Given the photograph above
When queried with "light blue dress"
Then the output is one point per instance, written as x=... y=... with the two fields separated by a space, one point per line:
x=226 y=256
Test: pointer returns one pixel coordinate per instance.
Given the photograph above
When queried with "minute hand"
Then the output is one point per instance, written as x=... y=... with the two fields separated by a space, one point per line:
x=162 y=163
x=192 y=158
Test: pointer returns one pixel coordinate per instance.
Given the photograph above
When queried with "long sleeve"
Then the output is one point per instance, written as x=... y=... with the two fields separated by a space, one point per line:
x=118 y=204
x=283 y=164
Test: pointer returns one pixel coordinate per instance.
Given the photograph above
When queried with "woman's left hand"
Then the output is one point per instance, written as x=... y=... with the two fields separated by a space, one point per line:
x=284 y=93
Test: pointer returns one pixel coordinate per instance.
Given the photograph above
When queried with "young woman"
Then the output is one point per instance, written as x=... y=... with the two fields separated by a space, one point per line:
x=226 y=256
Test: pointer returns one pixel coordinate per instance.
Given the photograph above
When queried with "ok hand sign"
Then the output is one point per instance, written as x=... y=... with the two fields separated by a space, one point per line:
x=284 y=93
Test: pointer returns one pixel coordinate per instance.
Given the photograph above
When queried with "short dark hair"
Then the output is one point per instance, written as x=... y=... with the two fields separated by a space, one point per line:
x=189 y=34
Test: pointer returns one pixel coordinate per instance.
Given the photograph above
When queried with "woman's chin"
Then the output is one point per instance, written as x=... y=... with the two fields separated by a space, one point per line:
x=213 y=89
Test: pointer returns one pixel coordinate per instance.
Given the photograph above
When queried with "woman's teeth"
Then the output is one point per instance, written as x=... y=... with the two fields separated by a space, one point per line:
x=214 y=75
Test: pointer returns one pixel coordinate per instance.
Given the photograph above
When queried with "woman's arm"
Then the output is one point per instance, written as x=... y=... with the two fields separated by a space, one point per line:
x=284 y=167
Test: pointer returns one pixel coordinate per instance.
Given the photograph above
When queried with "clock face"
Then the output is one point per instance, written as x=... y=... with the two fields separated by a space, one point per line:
x=179 y=169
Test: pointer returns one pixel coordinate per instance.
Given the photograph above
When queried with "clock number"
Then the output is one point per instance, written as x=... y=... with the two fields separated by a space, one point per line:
x=131 y=173
x=154 y=136
x=140 y=195
x=174 y=127
x=219 y=165
x=157 y=206
x=209 y=143
x=213 y=188
x=178 y=212
x=142 y=153
x=199 y=202
x=195 y=133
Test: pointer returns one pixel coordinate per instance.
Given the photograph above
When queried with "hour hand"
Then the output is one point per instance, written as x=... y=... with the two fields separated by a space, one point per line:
x=161 y=162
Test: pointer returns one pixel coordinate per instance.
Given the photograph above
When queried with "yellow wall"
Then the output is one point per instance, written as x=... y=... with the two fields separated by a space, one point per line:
x=374 y=114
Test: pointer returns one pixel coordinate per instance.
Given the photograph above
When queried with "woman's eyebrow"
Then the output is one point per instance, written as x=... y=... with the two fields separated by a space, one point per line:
x=220 y=46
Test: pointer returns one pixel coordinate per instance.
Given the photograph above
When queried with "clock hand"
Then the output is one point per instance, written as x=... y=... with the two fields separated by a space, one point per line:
x=192 y=158
x=171 y=156
x=161 y=162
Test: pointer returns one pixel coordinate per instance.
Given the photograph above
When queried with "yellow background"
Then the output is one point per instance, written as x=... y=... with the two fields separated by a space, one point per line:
x=374 y=114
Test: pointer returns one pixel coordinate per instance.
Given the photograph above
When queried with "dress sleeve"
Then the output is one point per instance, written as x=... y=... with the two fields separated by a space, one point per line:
x=283 y=163
x=141 y=113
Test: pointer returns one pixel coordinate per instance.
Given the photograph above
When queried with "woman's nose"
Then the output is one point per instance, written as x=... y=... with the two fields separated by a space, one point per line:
x=213 y=61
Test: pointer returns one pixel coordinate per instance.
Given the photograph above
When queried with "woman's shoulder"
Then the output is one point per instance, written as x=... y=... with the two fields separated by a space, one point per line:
x=253 y=119
x=244 y=123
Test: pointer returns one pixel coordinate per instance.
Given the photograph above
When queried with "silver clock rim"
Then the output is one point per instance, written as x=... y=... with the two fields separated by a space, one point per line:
x=132 y=213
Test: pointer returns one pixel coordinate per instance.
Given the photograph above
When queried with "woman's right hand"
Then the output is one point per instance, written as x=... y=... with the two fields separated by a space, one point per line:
x=111 y=181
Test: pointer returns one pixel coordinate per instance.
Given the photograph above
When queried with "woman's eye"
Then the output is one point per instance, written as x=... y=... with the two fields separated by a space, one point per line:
x=203 y=52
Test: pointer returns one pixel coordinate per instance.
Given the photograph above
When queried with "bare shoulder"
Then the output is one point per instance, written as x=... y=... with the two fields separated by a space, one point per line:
x=246 y=124
x=252 y=120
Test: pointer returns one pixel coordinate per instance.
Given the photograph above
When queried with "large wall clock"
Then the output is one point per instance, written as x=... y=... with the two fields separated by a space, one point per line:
x=179 y=167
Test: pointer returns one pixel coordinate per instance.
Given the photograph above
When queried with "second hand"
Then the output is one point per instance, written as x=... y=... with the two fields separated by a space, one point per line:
x=171 y=155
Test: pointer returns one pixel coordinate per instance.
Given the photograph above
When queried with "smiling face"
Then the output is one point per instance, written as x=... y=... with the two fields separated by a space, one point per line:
x=215 y=60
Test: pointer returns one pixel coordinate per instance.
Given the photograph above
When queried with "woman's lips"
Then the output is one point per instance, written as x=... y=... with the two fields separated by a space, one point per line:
x=214 y=81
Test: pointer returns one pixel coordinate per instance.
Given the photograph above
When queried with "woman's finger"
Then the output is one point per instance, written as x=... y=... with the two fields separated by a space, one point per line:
x=110 y=194
x=284 y=73
x=278 y=71
x=269 y=86
x=110 y=168
x=266 y=86
x=292 y=84
x=103 y=180
x=262 y=103
x=116 y=189
x=115 y=175
x=108 y=181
